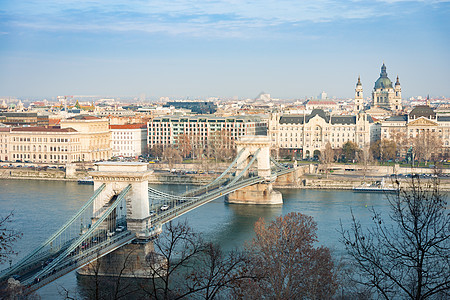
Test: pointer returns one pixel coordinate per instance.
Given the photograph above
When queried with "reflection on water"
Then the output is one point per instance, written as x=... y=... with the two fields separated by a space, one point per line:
x=41 y=207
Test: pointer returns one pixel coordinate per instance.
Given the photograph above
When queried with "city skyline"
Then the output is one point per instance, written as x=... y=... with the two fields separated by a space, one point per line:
x=222 y=48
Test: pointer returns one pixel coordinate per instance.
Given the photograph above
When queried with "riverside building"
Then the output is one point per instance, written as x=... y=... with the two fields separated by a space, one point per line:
x=307 y=135
x=40 y=145
x=128 y=140
x=166 y=130
x=422 y=119
x=94 y=134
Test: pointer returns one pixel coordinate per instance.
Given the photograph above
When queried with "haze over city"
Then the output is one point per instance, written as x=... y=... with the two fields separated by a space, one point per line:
x=290 y=49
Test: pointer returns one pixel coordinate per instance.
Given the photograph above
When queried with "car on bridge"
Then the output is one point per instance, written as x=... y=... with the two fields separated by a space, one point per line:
x=164 y=207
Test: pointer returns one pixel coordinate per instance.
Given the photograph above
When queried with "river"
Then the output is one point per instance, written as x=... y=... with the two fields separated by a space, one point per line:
x=41 y=207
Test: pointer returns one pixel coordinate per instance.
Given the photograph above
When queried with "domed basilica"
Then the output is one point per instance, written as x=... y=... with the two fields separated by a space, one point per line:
x=385 y=96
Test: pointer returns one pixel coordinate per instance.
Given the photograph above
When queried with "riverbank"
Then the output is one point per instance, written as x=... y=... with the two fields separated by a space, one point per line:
x=344 y=180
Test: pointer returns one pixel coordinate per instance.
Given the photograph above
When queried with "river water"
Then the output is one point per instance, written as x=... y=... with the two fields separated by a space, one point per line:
x=41 y=207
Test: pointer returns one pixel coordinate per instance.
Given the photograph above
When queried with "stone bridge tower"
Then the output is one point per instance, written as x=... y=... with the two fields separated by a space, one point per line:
x=129 y=260
x=261 y=193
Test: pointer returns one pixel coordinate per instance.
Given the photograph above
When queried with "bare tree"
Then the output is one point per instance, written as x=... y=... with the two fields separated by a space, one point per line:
x=285 y=263
x=327 y=157
x=172 y=156
x=408 y=259
x=384 y=149
x=184 y=145
x=184 y=266
x=217 y=273
x=427 y=145
x=156 y=151
x=8 y=236
x=401 y=140
x=105 y=278
x=175 y=249
x=365 y=158
x=220 y=145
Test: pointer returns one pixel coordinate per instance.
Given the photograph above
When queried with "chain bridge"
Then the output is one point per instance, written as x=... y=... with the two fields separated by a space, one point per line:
x=125 y=214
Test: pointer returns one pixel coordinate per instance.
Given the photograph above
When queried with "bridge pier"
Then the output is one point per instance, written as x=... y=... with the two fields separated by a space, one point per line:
x=261 y=193
x=127 y=261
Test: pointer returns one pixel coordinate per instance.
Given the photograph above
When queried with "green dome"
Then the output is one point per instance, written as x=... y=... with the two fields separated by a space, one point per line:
x=383 y=82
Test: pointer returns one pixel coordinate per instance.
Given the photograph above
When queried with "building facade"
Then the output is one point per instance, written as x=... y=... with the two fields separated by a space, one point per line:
x=422 y=119
x=307 y=135
x=20 y=119
x=166 y=130
x=40 y=145
x=95 y=136
x=128 y=140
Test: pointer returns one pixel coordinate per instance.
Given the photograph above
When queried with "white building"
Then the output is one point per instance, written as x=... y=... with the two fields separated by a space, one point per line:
x=128 y=140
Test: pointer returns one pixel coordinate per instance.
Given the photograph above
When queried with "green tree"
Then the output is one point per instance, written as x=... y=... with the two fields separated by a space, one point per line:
x=349 y=151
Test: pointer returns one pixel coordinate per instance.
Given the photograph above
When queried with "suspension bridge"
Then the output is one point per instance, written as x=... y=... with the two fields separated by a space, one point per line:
x=125 y=212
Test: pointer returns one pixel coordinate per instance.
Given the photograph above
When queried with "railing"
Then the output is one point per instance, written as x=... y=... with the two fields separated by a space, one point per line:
x=82 y=259
x=83 y=237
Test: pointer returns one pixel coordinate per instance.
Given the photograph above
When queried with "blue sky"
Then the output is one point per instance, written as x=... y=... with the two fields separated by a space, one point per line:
x=178 y=48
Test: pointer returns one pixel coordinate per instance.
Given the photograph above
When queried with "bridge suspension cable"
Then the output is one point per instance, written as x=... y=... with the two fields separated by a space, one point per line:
x=82 y=238
x=255 y=155
x=55 y=235
x=228 y=169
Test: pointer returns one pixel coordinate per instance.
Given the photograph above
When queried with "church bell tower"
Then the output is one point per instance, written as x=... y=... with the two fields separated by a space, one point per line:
x=359 y=100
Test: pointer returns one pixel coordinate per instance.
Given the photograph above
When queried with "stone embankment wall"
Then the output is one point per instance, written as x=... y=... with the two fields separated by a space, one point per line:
x=27 y=173
x=347 y=183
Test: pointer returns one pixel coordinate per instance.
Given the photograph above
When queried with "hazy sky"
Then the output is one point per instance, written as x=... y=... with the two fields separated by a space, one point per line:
x=290 y=49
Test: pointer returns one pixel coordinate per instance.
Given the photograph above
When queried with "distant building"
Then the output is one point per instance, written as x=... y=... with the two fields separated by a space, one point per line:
x=200 y=107
x=95 y=136
x=422 y=119
x=385 y=95
x=128 y=140
x=326 y=105
x=20 y=119
x=307 y=135
x=386 y=98
x=263 y=97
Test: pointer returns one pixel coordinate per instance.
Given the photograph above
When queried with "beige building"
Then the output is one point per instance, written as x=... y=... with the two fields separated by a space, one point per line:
x=40 y=145
x=94 y=134
x=422 y=119
x=307 y=135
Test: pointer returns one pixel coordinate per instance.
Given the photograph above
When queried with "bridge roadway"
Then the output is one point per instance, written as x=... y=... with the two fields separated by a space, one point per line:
x=74 y=262
x=188 y=205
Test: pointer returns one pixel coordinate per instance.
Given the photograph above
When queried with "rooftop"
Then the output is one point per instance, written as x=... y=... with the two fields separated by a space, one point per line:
x=42 y=129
